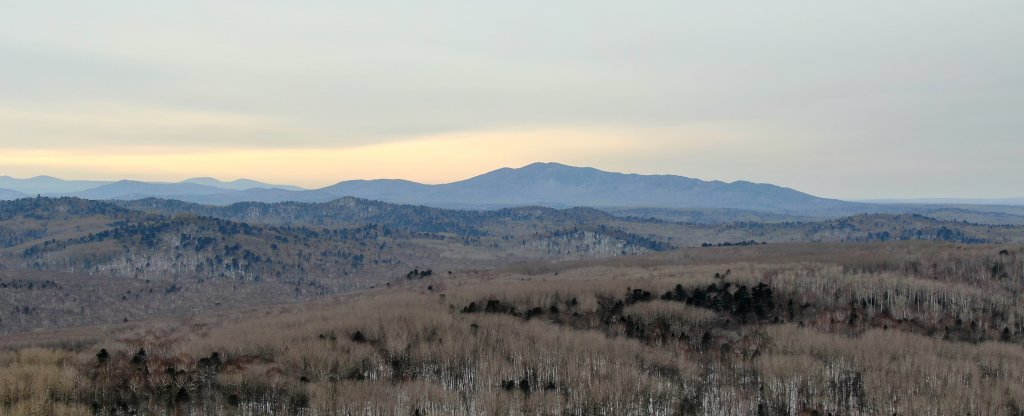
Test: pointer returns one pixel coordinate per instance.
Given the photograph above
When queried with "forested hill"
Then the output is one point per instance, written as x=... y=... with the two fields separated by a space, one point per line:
x=350 y=211
x=161 y=256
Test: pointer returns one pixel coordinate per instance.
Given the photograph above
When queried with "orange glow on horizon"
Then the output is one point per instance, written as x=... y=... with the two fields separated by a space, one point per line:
x=435 y=159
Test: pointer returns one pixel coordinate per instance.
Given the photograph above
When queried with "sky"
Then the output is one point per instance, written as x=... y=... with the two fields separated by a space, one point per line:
x=846 y=99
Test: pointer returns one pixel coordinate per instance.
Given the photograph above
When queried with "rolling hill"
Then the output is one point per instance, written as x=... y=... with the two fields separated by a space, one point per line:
x=7 y=195
x=238 y=184
x=135 y=189
x=47 y=185
x=130 y=189
x=163 y=256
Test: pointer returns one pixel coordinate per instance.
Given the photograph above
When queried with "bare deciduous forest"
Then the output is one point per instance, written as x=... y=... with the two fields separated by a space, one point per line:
x=907 y=328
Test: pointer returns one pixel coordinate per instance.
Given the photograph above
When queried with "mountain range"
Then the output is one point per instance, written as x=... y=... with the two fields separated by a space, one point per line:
x=11 y=188
x=46 y=185
x=543 y=184
x=540 y=184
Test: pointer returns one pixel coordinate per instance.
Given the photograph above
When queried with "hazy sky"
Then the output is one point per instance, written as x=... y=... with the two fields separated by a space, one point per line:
x=851 y=99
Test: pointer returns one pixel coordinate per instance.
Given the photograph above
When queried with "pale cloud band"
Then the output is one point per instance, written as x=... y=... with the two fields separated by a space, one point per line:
x=434 y=159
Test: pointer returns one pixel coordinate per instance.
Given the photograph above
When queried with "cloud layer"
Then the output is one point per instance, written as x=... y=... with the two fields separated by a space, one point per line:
x=847 y=99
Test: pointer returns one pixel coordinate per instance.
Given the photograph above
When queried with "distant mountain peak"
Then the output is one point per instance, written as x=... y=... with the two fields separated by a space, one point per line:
x=237 y=184
x=555 y=166
x=536 y=165
x=544 y=169
x=47 y=185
